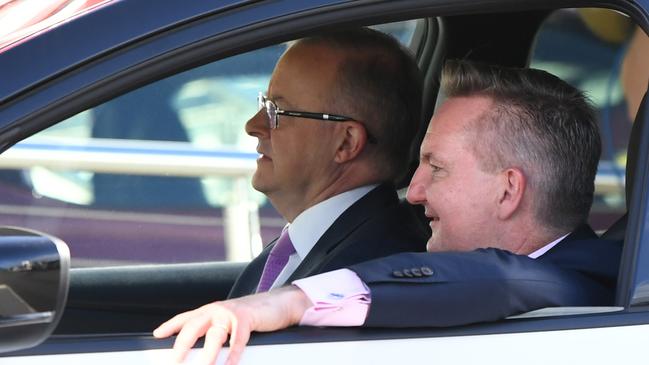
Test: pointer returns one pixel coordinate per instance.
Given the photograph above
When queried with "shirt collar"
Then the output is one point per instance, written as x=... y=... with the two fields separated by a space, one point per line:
x=536 y=254
x=307 y=228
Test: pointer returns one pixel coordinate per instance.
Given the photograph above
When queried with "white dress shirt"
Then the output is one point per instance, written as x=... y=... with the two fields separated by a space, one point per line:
x=307 y=228
x=536 y=254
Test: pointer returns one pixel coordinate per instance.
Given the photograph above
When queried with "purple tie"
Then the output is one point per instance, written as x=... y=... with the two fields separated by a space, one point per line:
x=277 y=259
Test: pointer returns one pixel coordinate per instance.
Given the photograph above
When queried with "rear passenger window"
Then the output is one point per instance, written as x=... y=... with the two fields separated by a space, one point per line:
x=587 y=47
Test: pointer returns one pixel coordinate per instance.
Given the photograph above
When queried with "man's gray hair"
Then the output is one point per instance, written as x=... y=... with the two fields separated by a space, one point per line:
x=379 y=83
x=539 y=124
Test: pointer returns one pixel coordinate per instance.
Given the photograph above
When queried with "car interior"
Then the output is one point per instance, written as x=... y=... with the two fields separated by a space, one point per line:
x=113 y=301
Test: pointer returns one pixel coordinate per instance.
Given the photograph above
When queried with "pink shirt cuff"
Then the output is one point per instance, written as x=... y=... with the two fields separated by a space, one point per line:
x=340 y=298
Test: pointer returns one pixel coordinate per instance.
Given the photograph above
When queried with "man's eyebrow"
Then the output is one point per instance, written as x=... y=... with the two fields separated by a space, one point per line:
x=279 y=99
x=429 y=156
x=274 y=97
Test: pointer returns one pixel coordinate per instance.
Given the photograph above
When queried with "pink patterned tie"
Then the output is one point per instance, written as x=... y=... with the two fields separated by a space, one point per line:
x=277 y=259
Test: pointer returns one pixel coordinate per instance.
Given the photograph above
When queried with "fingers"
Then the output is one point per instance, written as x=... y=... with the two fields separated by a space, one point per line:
x=212 y=321
x=264 y=312
x=173 y=325
x=214 y=340
x=191 y=331
x=238 y=340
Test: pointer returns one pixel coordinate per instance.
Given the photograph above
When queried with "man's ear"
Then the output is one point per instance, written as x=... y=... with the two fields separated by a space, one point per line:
x=353 y=140
x=513 y=184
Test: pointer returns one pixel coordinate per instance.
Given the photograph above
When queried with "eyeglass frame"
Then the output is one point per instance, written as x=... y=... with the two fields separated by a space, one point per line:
x=273 y=120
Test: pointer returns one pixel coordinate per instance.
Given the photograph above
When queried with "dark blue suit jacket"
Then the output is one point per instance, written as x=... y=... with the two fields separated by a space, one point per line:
x=455 y=288
x=377 y=225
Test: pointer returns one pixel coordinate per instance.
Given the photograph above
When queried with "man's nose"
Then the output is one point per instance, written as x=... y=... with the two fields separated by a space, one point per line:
x=257 y=126
x=417 y=188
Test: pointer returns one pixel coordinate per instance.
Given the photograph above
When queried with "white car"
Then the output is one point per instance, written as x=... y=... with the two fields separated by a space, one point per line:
x=121 y=126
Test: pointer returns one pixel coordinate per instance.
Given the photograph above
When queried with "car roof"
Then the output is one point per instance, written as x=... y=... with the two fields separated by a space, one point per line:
x=22 y=20
x=92 y=34
x=95 y=33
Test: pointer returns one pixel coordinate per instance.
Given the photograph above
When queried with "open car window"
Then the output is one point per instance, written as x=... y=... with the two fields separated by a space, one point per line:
x=160 y=174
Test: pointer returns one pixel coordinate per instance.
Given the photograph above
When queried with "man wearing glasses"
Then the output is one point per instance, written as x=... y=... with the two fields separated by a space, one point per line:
x=335 y=130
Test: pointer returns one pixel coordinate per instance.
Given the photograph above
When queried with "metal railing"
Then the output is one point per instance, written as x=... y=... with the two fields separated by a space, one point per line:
x=241 y=218
x=241 y=223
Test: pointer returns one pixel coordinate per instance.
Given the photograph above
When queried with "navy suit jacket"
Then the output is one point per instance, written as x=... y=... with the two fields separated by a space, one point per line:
x=377 y=225
x=455 y=288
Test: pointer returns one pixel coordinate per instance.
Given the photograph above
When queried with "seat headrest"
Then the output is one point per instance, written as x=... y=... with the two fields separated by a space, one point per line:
x=634 y=145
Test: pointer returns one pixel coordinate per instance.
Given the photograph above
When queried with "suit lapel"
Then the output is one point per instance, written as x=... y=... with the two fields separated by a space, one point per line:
x=375 y=201
x=249 y=279
x=260 y=261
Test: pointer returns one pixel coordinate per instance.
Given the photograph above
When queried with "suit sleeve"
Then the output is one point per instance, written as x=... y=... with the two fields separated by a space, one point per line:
x=453 y=288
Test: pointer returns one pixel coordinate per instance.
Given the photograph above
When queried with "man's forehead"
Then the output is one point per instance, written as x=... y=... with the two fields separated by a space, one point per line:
x=457 y=113
x=304 y=54
x=452 y=120
x=305 y=66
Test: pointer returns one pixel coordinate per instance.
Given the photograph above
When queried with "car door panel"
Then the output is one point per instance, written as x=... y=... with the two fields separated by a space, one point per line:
x=127 y=299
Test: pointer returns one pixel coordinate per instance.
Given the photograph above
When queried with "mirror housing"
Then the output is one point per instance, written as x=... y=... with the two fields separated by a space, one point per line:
x=34 y=282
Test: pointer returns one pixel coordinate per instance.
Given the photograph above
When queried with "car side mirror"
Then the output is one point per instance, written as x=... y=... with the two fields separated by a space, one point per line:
x=34 y=281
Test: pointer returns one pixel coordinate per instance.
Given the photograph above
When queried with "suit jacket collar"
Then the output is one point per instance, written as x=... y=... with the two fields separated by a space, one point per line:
x=583 y=232
x=558 y=252
x=585 y=252
x=378 y=199
x=307 y=228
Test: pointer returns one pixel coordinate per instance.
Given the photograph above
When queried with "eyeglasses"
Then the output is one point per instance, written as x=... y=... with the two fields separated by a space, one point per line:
x=273 y=113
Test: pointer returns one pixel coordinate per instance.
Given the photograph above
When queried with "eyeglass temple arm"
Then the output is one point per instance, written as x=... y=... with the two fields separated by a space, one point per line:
x=321 y=116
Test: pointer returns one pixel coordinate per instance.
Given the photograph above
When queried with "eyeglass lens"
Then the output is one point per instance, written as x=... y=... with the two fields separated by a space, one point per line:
x=271 y=110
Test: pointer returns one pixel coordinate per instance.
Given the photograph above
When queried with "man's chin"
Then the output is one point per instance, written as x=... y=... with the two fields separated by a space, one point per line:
x=433 y=245
x=259 y=183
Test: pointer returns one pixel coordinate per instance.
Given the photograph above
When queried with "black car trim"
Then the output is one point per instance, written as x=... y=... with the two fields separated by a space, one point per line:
x=302 y=335
x=631 y=284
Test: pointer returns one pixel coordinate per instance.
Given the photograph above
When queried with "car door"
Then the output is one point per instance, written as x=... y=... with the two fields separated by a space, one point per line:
x=145 y=294
x=148 y=184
